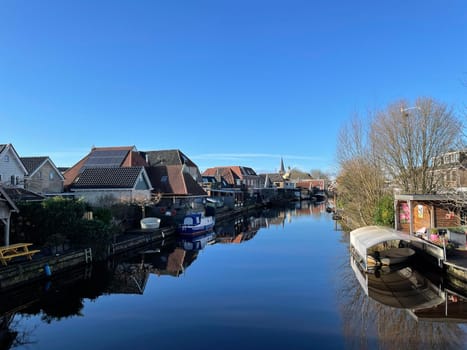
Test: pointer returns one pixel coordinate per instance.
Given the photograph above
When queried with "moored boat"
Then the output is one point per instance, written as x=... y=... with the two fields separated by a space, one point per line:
x=195 y=224
x=390 y=256
x=150 y=223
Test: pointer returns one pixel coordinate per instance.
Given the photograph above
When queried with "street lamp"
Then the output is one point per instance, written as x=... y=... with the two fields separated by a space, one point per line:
x=405 y=110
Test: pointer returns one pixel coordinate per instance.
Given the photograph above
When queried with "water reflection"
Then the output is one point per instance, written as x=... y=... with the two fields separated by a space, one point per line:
x=279 y=287
x=63 y=296
x=402 y=308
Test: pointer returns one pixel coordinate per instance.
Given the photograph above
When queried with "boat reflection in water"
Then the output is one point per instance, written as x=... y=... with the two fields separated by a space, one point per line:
x=197 y=242
x=404 y=287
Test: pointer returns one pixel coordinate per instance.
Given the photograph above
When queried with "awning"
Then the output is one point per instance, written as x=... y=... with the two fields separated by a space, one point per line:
x=366 y=237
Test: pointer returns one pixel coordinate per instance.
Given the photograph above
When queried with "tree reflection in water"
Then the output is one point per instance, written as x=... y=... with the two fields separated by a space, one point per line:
x=367 y=324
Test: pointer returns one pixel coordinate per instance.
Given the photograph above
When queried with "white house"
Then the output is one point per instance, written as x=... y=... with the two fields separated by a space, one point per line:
x=12 y=169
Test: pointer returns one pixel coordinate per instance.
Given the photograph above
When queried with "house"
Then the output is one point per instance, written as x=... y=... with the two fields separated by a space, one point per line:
x=174 y=177
x=276 y=180
x=43 y=176
x=104 y=186
x=212 y=182
x=451 y=170
x=7 y=206
x=105 y=157
x=12 y=169
x=236 y=176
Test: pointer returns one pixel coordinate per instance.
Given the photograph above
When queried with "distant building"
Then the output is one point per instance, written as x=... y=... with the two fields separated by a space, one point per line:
x=451 y=170
x=43 y=176
x=236 y=176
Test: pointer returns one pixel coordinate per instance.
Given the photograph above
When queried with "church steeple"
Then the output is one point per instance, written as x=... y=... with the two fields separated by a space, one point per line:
x=282 y=168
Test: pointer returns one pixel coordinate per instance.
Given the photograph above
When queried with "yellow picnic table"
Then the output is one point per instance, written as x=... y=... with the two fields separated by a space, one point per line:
x=11 y=251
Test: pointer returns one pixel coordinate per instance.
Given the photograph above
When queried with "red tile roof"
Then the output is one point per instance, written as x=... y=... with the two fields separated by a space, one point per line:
x=172 y=180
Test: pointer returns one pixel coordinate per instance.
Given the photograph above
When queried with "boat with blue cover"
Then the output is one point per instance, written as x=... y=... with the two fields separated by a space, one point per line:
x=196 y=224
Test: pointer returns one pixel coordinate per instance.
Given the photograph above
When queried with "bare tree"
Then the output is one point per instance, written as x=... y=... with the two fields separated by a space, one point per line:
x=407 y=139
x=360 y=182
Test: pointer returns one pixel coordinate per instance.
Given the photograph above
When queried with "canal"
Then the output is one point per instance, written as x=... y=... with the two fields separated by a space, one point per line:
x=279 y=279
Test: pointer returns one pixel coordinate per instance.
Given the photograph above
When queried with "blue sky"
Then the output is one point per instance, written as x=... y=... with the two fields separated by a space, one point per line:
x=241 y=82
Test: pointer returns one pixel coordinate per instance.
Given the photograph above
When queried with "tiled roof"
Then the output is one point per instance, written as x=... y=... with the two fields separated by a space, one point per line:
x=168 y=157
x=226 y=172
x=104 y=157
x=273 y=177
x=93 y=178
x=172 y=180
x=32 y=163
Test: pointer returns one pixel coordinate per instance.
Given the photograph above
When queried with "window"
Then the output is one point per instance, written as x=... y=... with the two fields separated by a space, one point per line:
x=39 y=175
x=6 y=158
x=51 y=176
x=12 y=179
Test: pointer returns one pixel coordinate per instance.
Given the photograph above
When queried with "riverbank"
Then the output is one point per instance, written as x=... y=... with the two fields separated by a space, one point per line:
x=23 y=271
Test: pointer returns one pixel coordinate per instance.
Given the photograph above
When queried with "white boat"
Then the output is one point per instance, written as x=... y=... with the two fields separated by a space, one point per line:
x=150 y=223
x=195 y=224
x=390 y=256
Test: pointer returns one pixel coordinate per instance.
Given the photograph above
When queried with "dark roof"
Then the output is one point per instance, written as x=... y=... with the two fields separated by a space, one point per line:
x=2 y=147
x=18 y=194
x=5 y=197
x=107 y=178
x=105 y=158
x=168 y=157
x=273 y=177
x=32 y=163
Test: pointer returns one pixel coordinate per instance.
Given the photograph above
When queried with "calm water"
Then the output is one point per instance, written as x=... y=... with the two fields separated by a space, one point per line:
x=279 y=281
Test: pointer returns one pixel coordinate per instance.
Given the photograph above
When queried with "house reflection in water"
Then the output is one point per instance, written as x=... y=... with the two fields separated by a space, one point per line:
x=238 y=230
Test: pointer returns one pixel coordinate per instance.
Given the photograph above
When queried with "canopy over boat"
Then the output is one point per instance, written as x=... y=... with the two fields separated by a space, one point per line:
x=366 y=237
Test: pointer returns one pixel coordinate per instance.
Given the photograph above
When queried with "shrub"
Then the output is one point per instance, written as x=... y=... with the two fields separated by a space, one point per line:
x=384 y=211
